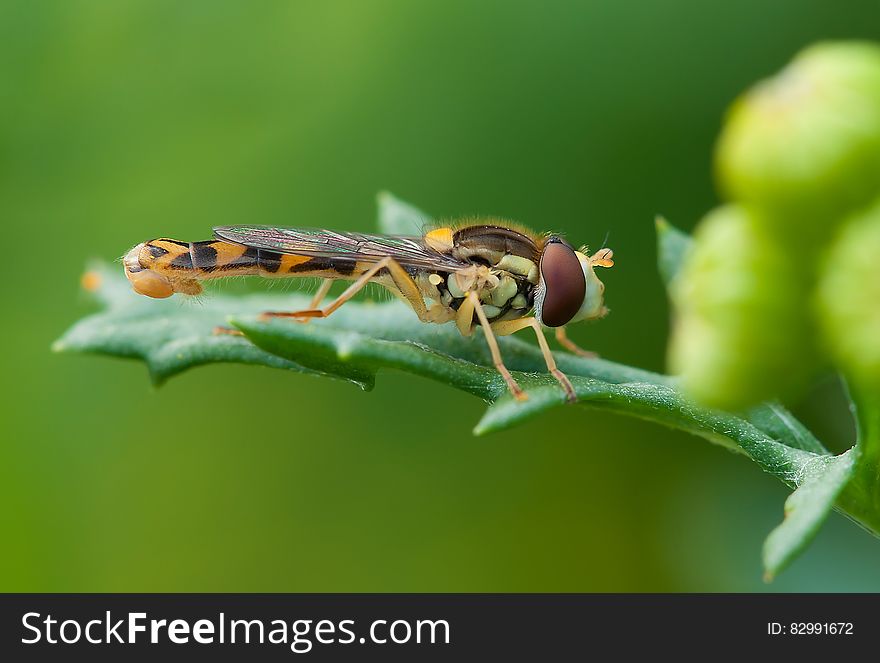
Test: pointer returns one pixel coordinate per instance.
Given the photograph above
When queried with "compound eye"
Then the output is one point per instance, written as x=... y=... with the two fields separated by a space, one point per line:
x=564 y=283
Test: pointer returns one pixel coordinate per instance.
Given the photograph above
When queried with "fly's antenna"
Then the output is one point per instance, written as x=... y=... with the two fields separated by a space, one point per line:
x=605 y=241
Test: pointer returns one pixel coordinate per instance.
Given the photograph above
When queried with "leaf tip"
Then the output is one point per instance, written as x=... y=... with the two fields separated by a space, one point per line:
x=364 y=382
x=158 y=377
x=481 y=428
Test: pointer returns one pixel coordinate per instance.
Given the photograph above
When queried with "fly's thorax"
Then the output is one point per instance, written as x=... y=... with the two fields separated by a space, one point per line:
x=491 y=243
x=502 y=270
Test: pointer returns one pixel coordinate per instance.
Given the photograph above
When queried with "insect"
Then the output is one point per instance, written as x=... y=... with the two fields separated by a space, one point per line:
x=493 y=274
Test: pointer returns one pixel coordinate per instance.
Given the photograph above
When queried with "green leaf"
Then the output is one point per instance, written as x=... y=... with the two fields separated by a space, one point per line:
x=662 y=403
x=399 y=218
x=672 y=247
x=806 y=509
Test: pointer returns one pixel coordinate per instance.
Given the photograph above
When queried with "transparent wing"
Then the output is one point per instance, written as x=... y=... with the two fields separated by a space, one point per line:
x=408 y=251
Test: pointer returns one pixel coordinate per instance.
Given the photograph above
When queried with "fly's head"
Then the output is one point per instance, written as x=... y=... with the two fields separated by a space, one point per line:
x=568 y=289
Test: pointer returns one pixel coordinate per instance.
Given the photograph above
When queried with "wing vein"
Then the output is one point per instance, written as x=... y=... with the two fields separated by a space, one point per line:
x=407 y=250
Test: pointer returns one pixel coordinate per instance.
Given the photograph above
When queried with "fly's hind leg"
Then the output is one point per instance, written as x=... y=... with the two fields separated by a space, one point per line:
x=322 y=291
x=227 y=331
x=563 y=340
x=475 y=306
x=319 y=296
x=402 y=280
x=511 y=326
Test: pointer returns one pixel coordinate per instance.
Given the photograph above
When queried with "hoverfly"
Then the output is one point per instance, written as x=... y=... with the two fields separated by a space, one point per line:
x=499 y=276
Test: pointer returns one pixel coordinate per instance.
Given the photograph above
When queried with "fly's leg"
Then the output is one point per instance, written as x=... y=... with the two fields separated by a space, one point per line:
x=407 y=287
x=515 y=390
x=320 y=293
x=508 y=327
x=346 y=295
x=464 y=317
x=561 y=378
x=402 y=280
x=511 y=326
x=227 y=331
x=563 y=340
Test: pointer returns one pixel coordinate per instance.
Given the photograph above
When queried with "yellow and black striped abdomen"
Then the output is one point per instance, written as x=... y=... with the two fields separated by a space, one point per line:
x=211 y=258
x=161 y=267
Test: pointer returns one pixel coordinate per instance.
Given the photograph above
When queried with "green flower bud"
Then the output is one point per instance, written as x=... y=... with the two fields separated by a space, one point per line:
x=849 y=298
x=805 y=144
x=742 y=331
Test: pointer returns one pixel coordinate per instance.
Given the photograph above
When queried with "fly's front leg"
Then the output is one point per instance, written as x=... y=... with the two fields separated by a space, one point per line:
x=561 y=378
x=475 y=305
x=563 y=340
x=511 y=326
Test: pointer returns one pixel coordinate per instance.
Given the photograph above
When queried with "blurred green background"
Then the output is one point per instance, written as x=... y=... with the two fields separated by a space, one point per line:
x=122 y=121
